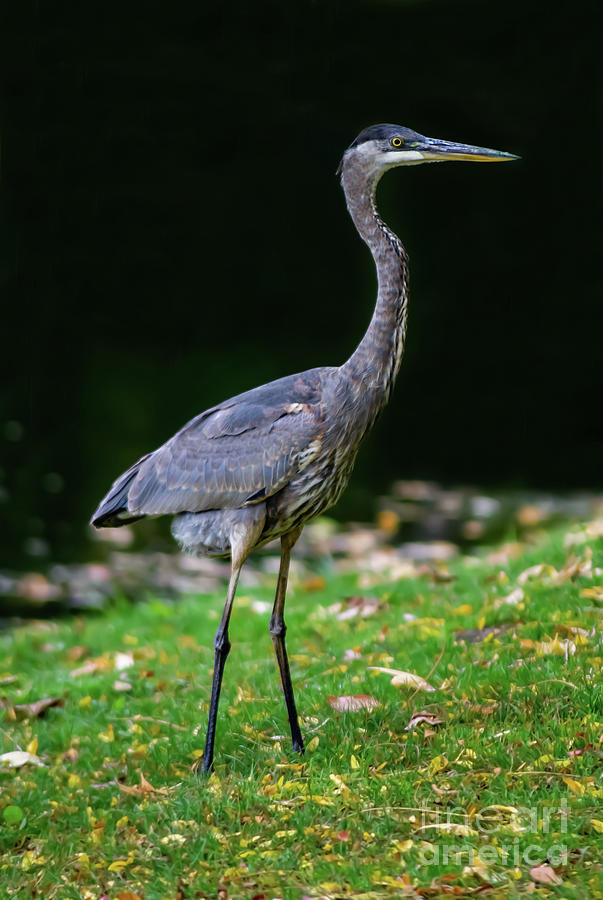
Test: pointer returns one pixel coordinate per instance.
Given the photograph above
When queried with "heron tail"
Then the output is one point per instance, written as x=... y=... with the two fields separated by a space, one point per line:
x=113 y=509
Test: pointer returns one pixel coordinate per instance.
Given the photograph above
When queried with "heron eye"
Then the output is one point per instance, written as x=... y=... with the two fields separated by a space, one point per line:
x=397 y=142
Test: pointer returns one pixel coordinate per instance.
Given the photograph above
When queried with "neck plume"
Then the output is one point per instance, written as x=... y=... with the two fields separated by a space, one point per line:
x=375 y=362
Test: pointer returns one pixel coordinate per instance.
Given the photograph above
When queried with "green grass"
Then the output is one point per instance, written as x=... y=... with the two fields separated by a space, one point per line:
x=372 y=806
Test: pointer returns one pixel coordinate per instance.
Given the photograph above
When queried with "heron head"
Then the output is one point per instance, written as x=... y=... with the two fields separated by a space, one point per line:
x=381 y=147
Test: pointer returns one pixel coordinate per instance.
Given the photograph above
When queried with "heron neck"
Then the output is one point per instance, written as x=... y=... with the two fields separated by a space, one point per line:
x=375 y=362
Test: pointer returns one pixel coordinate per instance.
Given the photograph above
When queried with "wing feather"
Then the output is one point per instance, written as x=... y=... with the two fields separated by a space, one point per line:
x=235 y=454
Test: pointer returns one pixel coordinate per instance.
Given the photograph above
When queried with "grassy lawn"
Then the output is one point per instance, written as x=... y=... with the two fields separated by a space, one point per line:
x=493 y=789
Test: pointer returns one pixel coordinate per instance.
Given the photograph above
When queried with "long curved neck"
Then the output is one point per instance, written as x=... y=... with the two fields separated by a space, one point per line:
x=375 y=362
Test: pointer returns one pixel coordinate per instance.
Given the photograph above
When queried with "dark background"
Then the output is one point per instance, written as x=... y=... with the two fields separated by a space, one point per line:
x=173 y=233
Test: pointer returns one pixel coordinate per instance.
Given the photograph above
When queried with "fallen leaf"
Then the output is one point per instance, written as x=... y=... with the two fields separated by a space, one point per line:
x=123 y=661
x=555 y=647
x=143 y=789
x=316 y=583
x=593 y=593
x=122 y=686
x=107 y=736
x=575 y=786
x=545 y=875
x=465 y=609
x=425 y=717
x=89 y=668
x=513 y=599
x=536 y=571
x=456 y=828
x=38 y=708
x=17 y=758
x=173 y=840
x=476 y=635
x=405 y=678
x=353 y=703
x=359 y=606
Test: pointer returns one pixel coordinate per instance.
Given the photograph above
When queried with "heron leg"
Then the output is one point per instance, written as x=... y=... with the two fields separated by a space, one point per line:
x=221 y=650
x=243 y=538
x=278 y=630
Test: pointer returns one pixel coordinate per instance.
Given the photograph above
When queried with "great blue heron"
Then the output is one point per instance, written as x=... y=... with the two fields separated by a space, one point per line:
x=260 y=465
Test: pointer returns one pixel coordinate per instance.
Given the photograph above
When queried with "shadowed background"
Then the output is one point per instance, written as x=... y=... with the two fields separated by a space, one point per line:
x=173 y=233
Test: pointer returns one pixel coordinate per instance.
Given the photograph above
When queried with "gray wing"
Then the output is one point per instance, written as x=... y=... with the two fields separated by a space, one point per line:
x=232 y=455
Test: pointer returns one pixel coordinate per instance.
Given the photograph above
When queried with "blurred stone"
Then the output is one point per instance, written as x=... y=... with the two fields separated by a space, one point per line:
x=122 y=536
x=36 y=588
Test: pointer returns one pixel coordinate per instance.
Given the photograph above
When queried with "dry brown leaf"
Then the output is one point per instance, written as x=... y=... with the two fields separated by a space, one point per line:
x=545 y=874
x=426 y=718
x=38 y=708
x=405 y=678
x=315 y=583
x=144 y=789
x=358 y=606
x=353 y=703
x=87 y=669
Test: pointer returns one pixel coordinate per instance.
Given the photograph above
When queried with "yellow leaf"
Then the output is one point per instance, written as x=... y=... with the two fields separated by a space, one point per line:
x=465 y=609
x=313 y=744
x=32 y=747
x=107 y=736
x=121 y=822
x=120 y=864
x=130 y=639
x=73 y=781
x=437 y=764
x=575 y=786
x=354 y=762
x=597 y=825
x=85 y=701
